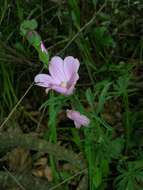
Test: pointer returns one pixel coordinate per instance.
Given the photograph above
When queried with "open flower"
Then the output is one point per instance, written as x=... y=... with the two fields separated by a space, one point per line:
x=78 y=118
x=63 y=75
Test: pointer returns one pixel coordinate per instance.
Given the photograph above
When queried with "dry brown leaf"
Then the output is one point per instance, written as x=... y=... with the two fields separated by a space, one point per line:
x=42 y=169
x=41 y=162
x=48 y=173
x=38 y=172
x=19 y=160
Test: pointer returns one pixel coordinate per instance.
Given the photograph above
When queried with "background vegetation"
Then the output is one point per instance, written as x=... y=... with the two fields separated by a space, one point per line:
x=39 y=147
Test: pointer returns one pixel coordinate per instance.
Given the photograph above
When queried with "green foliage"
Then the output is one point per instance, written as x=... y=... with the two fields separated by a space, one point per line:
x=28 y=25
x=89 y=97
x=102 y=97
x=75 y=12
x=44 y=57
x=131 y=177
x=121 y=87
x=102 y=39
x=27 y=30
x=33 y=38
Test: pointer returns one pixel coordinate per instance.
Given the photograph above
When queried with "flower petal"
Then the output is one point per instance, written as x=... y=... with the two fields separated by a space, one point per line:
x=78 y=118
x=83 y=120
x=59 y=89
x=56 y=69
x=43 y=80
x=47 y=90
x=71 y=65
x=70 y=90
x=71 y=114
x=43 y=49
x=73 y=79
x=77 y=125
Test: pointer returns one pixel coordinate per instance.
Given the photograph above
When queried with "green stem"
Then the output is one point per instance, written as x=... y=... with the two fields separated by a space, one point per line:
x=127 y=124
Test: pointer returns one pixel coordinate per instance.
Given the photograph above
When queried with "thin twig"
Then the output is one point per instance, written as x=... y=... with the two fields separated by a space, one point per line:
x=40 y=120
x=12 y=176
x=18 y=103
x=83 y=28
x=15 y=107
x=45 y=11
x=68 y=179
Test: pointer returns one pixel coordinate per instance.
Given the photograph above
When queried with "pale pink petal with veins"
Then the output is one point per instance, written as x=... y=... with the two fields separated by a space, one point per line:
x=79 y=119
x=63 y=75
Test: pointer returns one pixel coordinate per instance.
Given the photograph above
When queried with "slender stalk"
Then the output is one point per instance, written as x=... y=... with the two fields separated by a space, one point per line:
x=127 y=122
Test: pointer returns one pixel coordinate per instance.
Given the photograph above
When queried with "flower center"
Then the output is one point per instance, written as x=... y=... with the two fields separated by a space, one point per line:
x=63 y=84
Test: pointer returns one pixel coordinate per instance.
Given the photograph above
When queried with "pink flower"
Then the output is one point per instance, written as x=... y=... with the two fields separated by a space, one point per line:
x=78 y=118
x=43 y=49
x=63 y=75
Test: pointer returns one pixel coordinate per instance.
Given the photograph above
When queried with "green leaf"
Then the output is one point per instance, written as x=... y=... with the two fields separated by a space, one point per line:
x=89 y=97
x=97 y=179
x=103 y=39
x=122 y=84
x=131 y=176
x=102 y=97
x=34 y=39
x=116 y=147
x=44 y=57
x=105 y=167
x=28 y=25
